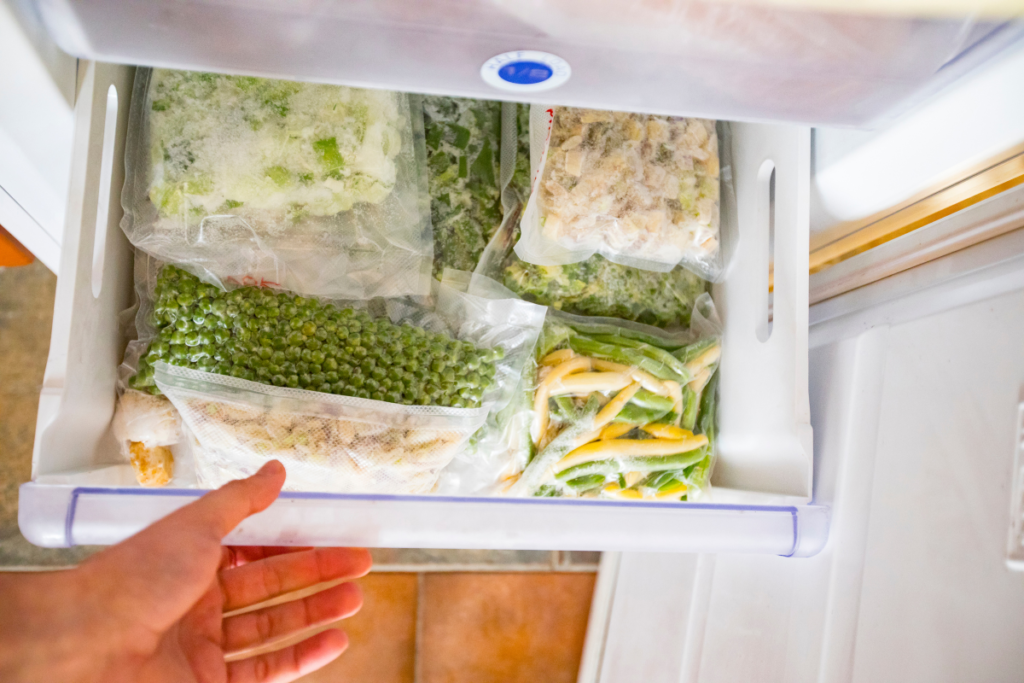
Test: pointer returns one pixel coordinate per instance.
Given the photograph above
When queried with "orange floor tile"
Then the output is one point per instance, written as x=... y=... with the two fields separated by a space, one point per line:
x=503 y=628
x=382 y=636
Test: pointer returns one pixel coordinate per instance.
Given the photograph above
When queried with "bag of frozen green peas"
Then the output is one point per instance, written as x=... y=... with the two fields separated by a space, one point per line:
x=347 y=400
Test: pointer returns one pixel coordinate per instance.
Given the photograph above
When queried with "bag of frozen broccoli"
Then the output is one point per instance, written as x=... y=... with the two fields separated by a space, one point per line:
x=620 y=410
x=319 y=189
x=476 y=172
x=348 y=400
x=641 y=190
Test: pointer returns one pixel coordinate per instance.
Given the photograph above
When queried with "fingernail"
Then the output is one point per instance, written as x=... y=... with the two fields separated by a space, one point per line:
x=270 y=468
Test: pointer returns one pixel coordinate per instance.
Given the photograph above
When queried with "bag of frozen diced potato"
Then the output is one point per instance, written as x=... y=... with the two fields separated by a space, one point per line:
x=314 y=188
x=619 y=410
x=642 y=190
x=346 y=399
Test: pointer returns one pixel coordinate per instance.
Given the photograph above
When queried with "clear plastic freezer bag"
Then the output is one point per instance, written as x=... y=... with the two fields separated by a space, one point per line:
x=328 y=443
x=619 y=410
x=642 y=190
x=273 y=356
x=319 y=189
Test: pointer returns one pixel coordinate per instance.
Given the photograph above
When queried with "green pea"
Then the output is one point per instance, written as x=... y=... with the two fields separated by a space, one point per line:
x=313 y=344
x=330 y=364
x=338 y=388
x=183 y=324
x=308 y=329
x=278 y=380
x=331 y=376
x=357 y=381
x=292 y=381
x=185 y=299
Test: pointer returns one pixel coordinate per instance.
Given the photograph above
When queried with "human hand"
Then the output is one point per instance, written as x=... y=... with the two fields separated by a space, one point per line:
x=152 y=608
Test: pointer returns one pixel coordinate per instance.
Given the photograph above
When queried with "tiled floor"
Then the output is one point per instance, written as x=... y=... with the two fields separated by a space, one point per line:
x=429 y=616
x=26 y=309
x=465 y=628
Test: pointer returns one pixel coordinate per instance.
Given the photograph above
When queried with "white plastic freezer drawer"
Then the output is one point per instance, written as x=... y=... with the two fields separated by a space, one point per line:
x=83 y=492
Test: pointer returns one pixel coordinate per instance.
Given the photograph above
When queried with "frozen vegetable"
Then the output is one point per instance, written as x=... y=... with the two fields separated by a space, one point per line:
x=463 y=139
x=599 y=287
x=592 y=287
x=154 y=466
x=640 y=189
x=272 y=151
x=324 y=445
x=273 y=337
x=144 y=426
x=619 y=411
x=289 y=379
x=319 y=189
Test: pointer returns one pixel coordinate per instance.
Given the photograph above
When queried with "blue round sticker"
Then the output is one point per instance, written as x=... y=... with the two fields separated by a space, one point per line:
x=525 y=73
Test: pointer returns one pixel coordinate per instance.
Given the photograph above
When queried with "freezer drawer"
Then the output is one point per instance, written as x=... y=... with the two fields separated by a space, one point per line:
x=83 y=492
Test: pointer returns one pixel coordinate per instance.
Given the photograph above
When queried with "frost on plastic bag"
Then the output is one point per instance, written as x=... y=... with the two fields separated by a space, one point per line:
x=620 y=410
x=335 y=444
x=641 y=190
x=421 y=361
x=493 y=314
x=316 y=188
x=463 y=139
x=594 y=286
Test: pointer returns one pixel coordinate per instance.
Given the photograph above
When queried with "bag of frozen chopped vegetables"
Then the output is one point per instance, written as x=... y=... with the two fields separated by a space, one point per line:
x=348 y=400
x=621 y=410
x=477 y=172
x=641 y=190
x=594 y=286
x=315 y=188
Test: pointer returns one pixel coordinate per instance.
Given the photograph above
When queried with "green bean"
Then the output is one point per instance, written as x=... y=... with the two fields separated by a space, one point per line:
x=691 y=403
x=652 y=352
x=587 y=482
x=627 y=356
x=688 y=353
x=639 y=464
x=557 y=449
x=565 y=409
x=635 y=415
x=607 y=329
x=706 y=422
x=646 y=399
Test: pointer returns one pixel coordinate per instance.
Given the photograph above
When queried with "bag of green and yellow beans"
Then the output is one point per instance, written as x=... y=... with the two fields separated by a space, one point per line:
x=621 y=410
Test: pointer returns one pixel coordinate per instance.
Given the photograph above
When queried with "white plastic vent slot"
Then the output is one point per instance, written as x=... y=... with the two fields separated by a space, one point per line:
x=99 y=245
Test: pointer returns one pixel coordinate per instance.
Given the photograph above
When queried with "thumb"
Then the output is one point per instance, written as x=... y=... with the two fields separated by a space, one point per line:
x=164 y=569
x=220 y=511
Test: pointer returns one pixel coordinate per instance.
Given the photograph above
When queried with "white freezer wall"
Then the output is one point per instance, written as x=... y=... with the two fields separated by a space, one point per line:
x=937 y=601
x=37 y=91
x=914 y=428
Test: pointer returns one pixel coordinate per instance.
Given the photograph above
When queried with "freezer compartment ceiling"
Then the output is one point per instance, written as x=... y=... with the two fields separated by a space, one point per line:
x=661 y=56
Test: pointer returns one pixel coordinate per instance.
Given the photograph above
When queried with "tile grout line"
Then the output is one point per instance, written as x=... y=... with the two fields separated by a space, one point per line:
x=417 y=675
